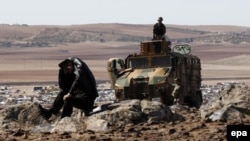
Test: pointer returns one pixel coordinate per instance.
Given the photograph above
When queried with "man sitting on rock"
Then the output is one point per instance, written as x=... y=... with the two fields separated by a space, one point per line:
x=77 y=89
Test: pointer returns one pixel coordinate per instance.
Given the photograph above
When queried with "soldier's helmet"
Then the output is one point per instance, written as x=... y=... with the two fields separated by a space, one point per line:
x=160 y=19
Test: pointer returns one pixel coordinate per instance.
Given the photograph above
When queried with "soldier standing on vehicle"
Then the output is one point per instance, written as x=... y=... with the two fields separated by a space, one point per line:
x=159 y=30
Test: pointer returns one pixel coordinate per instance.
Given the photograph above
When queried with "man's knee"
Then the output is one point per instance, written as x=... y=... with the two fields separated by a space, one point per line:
x=62 y=93
x=68 y=100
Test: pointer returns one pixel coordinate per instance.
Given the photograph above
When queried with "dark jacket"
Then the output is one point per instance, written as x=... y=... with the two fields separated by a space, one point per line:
x=82 y=80
x=159 y=29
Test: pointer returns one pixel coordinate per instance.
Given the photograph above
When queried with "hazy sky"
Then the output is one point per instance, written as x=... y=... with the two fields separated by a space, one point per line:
x=182 y=12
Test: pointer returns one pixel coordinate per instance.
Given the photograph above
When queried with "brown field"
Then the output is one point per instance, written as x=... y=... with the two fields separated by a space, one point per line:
x=19 y=64
x=41 y=64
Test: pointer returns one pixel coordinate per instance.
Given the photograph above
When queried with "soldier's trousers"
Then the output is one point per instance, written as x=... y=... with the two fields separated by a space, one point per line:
x=80 y=101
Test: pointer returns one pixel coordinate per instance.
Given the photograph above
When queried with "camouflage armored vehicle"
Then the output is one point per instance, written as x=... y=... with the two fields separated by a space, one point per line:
x=151 y=74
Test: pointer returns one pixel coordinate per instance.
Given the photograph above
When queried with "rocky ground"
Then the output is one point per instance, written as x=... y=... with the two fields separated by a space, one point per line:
x=134 y=120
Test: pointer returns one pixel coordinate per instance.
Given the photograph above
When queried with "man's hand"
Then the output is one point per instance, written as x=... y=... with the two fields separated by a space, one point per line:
x=65 y=97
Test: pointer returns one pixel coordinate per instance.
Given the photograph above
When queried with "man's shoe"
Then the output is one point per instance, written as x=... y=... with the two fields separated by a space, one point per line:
x=87 y=112
x=44 y=112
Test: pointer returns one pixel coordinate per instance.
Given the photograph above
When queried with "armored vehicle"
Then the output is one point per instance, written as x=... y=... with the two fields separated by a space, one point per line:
x=151 y=74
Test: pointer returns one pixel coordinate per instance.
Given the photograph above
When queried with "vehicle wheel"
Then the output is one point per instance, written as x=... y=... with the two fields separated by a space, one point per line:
x=198 y=100
x=167 y=99
x=194 y=101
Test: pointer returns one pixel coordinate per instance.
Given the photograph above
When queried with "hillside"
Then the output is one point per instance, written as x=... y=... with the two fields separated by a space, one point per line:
x=29 y=57
x=45 y=36
x=31 y=53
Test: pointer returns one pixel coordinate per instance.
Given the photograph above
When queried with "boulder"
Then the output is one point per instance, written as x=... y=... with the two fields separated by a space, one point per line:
x=232 y=103
x=27 y=116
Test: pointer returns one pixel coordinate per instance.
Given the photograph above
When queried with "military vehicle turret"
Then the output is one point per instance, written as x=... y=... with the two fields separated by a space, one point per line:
x=151 y=74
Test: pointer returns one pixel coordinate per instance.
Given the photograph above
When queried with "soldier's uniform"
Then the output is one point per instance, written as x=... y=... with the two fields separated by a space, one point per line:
x=159 y=30
x=176 y=93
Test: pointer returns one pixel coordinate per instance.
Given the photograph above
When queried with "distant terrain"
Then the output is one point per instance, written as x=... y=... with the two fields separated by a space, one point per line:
x=29 y=56
x=30 y=53
x=46 y=36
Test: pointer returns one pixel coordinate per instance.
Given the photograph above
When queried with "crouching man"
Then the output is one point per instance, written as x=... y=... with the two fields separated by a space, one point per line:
x=77 y=89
